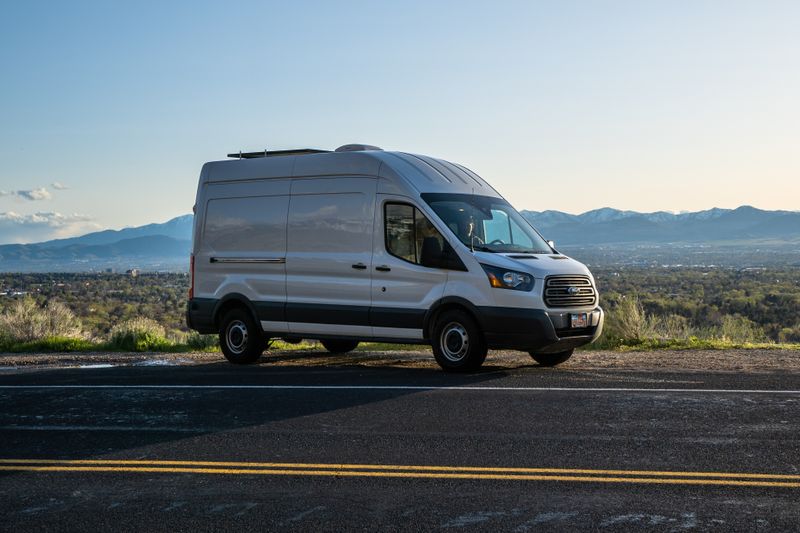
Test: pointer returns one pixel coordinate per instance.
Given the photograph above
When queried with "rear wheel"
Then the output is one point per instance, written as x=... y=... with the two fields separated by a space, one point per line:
x=458 y=345
x=339 y=346
x=551 y=359
x=240 y=337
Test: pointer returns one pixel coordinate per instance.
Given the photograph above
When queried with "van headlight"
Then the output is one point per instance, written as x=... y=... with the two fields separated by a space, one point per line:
x=500 y=278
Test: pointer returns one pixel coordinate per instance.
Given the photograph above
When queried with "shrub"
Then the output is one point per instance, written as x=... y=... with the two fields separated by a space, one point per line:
x=139 y=334
x=740 y=329
x=671 y=327
x=789 y=334
x=25 y=321
x=626 y=323
x=202 y=342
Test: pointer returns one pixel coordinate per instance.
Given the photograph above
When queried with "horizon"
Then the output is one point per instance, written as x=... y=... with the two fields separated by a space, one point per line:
x=113 y=109
x=161 y=222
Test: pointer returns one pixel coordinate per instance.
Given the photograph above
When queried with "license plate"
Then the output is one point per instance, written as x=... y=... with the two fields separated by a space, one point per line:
x=579 y=320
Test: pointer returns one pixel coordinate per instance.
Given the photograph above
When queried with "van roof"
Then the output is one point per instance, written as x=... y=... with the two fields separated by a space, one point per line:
x=419 y=172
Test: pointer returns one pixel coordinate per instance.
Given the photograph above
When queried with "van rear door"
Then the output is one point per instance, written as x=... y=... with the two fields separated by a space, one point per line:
x=329 y=256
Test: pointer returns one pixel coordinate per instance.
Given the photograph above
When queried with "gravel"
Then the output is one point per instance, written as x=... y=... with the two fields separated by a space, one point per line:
x=737 y=360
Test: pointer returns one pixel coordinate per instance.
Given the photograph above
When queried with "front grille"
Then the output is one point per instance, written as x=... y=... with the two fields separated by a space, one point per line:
x=557 y=291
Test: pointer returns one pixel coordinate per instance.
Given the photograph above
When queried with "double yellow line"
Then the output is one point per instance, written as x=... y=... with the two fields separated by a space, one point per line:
x=403 y=471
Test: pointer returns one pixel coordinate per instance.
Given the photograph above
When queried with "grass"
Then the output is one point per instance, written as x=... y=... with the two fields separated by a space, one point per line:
x=48 y=344
x=68 y=344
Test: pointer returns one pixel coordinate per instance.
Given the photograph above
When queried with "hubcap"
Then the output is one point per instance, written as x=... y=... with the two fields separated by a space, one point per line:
x=236 y=336
x=454 y=342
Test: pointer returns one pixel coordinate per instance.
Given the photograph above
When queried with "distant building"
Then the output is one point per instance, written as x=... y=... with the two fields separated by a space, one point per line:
x=132 y=272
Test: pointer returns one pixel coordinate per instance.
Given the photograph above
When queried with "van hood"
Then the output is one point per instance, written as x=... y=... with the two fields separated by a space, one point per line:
x=540 y=265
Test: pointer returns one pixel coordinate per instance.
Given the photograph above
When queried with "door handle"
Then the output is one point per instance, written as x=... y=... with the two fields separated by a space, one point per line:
x=360 y=266
x=383 y=268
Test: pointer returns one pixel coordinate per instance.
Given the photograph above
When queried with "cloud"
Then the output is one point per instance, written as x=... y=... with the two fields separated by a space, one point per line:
x=57 y=185
x=35 y=194
x=51 y=219
x=31 y=194
x=41 y=226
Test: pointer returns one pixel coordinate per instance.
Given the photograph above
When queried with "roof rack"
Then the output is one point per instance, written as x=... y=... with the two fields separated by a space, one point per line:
x=274 y=153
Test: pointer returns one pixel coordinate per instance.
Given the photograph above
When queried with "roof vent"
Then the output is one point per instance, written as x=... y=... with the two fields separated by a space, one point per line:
x=357 y=148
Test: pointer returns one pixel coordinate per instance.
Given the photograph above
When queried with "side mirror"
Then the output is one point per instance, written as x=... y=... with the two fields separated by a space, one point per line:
x=552 y=244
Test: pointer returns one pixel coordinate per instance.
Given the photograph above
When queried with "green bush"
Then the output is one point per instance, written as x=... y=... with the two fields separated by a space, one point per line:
x=25 y=321
x=671 y=327
x=740 y=329
x=139 y=334
x=627 y=320
x=629 y=326
x=200 y=342
x=790 y=334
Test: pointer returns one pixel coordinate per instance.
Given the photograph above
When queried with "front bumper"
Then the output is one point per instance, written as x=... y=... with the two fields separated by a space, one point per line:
x=536 y=329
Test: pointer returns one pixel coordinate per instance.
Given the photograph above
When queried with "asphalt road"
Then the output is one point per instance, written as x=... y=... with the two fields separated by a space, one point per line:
x=218 y=447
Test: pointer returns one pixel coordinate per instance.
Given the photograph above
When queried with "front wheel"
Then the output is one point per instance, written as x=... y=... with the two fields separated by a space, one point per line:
x=458 y=345
x=240 y=337
x=339 y=346
x=551 y=359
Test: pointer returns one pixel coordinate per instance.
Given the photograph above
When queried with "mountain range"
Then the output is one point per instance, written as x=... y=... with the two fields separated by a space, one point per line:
x=713 y=226
x=162 y=246
x=166 y=246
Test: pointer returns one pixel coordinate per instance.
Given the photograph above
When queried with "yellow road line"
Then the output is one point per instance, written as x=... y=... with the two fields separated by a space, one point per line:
x=421 y=468
x=386 y=474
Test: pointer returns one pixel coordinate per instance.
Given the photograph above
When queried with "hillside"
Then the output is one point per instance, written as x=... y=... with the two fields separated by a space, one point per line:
x=162 y=246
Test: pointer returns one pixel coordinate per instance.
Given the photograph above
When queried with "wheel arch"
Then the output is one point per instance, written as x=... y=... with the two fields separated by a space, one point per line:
x=232 y=301
x=446 y=304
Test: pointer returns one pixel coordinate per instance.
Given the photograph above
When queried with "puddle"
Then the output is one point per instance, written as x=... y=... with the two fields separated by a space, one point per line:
x=161 y=362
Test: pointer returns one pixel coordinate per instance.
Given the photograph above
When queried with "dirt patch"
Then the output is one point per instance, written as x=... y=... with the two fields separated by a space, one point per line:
x=752 y=360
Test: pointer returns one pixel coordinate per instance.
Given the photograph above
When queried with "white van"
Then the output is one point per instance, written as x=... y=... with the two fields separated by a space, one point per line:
x=360 y=244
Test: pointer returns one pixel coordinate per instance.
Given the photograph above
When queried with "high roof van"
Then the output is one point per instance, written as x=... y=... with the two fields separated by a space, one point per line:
x=361 y=244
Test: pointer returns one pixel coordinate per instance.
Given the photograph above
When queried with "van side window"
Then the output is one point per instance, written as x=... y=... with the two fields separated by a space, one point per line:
x=399 y=224
x=413 y=238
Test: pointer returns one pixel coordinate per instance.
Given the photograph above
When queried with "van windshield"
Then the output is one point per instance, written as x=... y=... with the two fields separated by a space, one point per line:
x=486 y=224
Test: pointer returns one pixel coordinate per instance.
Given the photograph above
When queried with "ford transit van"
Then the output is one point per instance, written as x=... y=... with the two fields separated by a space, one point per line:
x=361 y=244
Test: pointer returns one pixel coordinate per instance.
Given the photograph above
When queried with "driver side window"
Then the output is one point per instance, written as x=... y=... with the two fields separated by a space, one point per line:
x=412 y=237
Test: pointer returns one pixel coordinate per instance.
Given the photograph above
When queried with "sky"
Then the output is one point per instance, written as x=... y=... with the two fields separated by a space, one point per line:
x=109 y=109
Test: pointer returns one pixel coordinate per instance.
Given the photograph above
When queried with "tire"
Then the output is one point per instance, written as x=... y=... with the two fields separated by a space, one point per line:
x=339 y=346
x=240 y=337
x=551 y=359
x=458 y=345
